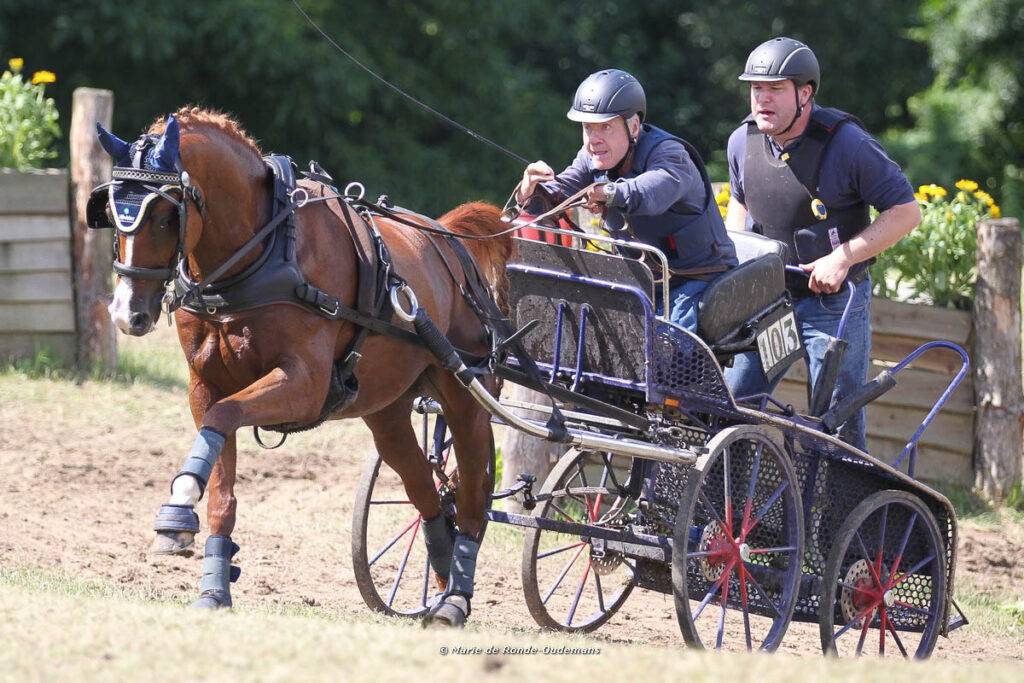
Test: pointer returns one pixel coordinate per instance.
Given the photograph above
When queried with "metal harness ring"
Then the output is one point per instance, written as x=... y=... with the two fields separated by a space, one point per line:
x=354 y=190
x=305 y=197
x=410 y=297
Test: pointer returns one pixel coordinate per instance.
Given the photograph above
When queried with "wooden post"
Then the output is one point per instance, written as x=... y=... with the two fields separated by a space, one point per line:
x=997 y=358
x=521 y=453
x=90 y=166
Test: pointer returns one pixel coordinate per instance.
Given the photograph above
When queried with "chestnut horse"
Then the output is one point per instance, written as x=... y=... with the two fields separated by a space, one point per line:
x=272 y=364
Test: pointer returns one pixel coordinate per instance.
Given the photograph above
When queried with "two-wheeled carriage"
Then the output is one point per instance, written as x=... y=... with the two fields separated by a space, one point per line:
x=672 y=484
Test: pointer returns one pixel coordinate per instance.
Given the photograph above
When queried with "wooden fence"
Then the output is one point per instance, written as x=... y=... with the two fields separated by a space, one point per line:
x=946 y=448
x=37 y=307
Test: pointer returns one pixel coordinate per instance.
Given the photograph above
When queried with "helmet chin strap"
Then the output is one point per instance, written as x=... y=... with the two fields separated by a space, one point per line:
x=628 y=156
x=796 y=117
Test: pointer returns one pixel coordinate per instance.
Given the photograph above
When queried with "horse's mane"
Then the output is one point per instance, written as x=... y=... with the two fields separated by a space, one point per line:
x=191 y=116
x=481 y=218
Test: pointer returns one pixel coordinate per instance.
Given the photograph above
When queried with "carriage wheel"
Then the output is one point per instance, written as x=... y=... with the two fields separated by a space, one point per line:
x=572 y=583
x=389 y=555
x=738 y=543
x=884 y=586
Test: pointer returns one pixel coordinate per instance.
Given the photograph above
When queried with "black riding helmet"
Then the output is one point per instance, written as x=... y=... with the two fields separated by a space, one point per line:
x=606 y=94
x=784 y=59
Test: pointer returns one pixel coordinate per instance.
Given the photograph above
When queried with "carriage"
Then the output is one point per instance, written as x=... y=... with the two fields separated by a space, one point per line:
x=749 y=513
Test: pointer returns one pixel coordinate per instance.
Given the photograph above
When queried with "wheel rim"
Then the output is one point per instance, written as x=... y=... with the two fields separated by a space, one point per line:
x=885 y=580
x=572 y=583
x=393 y=572
x=738 y=545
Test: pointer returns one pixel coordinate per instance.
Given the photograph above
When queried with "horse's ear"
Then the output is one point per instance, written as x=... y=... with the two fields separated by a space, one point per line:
x=113 y=145
x=166 y=152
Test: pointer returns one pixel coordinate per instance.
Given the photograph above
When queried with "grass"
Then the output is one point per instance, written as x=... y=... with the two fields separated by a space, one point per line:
x=970 y=506
x=60 y=627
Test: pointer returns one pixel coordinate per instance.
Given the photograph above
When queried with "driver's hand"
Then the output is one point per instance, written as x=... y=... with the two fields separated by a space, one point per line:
x=537 y=172
x=597 y=198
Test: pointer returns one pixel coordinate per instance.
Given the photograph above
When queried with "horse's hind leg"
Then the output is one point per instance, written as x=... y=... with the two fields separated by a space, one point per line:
x=395 y=440
x=474 y=448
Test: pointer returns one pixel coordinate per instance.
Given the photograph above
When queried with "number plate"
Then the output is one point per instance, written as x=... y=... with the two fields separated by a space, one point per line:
x=777 y=344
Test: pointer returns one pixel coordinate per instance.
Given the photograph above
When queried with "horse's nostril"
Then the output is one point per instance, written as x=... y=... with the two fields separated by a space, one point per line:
x=139 y=321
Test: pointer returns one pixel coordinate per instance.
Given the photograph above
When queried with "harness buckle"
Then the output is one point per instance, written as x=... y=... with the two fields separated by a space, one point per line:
x=334 y=313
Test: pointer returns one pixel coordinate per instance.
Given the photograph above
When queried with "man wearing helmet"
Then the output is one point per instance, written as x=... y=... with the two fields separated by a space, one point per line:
x=806 y=175
x=652 y=186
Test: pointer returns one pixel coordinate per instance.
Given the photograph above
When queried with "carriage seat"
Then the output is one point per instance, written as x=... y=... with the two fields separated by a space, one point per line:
x=738 y=295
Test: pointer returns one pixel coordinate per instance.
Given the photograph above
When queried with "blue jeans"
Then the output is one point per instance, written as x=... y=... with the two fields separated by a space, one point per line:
x=684 y=299
x=818 y=317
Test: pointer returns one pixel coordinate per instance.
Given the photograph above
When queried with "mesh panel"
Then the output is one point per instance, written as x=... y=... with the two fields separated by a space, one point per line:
x=832 y=484
x=684 y=368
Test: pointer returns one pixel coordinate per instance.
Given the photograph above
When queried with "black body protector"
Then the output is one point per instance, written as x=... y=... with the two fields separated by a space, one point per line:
x=781 y=196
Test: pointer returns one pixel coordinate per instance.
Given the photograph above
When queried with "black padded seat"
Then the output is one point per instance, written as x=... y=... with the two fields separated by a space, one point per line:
x=736 y=296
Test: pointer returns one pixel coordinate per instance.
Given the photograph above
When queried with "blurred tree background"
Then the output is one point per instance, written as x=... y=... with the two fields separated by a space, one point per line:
x=940 y=82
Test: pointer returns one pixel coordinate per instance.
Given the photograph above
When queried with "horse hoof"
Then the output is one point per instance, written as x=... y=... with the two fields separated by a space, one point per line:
x=212 y=600
x=450 y=613
x=173 y=543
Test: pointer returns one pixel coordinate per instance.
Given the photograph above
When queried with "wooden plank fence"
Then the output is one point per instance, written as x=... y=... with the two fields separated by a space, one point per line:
x=946 y=448
x=37 y=306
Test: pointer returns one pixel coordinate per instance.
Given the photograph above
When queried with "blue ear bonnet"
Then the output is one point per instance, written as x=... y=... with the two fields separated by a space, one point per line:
x=141 y=168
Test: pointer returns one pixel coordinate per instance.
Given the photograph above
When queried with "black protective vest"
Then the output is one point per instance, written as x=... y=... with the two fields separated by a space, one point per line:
x=778 y=193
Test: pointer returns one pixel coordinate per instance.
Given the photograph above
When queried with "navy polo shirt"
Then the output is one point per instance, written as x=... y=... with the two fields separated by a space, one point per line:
x=854 y=169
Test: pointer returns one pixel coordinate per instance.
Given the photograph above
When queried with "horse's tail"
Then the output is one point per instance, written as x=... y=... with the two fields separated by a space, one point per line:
x=483 y=219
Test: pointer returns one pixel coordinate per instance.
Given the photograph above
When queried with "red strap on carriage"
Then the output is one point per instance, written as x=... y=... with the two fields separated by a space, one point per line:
x=539 y=234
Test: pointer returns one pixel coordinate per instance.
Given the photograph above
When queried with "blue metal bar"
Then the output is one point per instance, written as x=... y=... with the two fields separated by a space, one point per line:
x=849 y=300
x=911 y=448
x=556 y=359
x=580 y=347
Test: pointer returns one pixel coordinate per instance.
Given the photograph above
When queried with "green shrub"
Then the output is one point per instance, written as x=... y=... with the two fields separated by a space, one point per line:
x=28 y=119
x=936 y=262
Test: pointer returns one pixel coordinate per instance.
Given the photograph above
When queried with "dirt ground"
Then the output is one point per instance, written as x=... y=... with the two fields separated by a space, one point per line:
x=84 y=468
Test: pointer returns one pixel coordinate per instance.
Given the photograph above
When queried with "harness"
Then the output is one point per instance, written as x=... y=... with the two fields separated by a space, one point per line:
x=782 y=197
x=275 y=275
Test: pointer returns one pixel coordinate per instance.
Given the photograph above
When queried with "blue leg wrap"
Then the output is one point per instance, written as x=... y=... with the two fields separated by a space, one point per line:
x=218 y=573
x=463 y=566
x=176 y=518
x=439 y=535
x=202 y=457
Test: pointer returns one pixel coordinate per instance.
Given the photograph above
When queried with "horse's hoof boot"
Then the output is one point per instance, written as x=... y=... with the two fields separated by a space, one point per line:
x=177 y=518
x=212 y=599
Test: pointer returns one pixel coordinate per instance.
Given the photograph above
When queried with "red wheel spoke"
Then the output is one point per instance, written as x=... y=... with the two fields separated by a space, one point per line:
x=881 y=631
x=711 y=593
x=401 y=567
x=866 y=619
x=549 y=553
x=579 y=593
x=565 y=570
x=763 y=510
x=867 y=558
x=742 y=571
x=911 y=571
x=895 y=637
x=755 y=469
x=727 y=574
x=394 y=540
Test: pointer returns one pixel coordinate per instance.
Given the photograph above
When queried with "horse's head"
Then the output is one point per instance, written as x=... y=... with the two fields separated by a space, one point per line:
x=148 y=203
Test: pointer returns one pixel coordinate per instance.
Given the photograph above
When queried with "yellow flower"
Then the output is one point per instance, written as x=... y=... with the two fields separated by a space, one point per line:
x=933 y=190
x=995 y=211
x=722 y=210
x=921 y=196
x=722 y=198
x=966 y=185
x=43 y=77
x=984 y=197
x=16 y=63
x=949 y=215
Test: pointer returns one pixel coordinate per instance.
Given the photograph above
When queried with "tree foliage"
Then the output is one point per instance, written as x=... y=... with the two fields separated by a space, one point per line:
x=508 y=70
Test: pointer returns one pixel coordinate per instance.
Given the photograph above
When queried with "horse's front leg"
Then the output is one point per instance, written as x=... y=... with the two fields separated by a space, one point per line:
x=289 y=392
